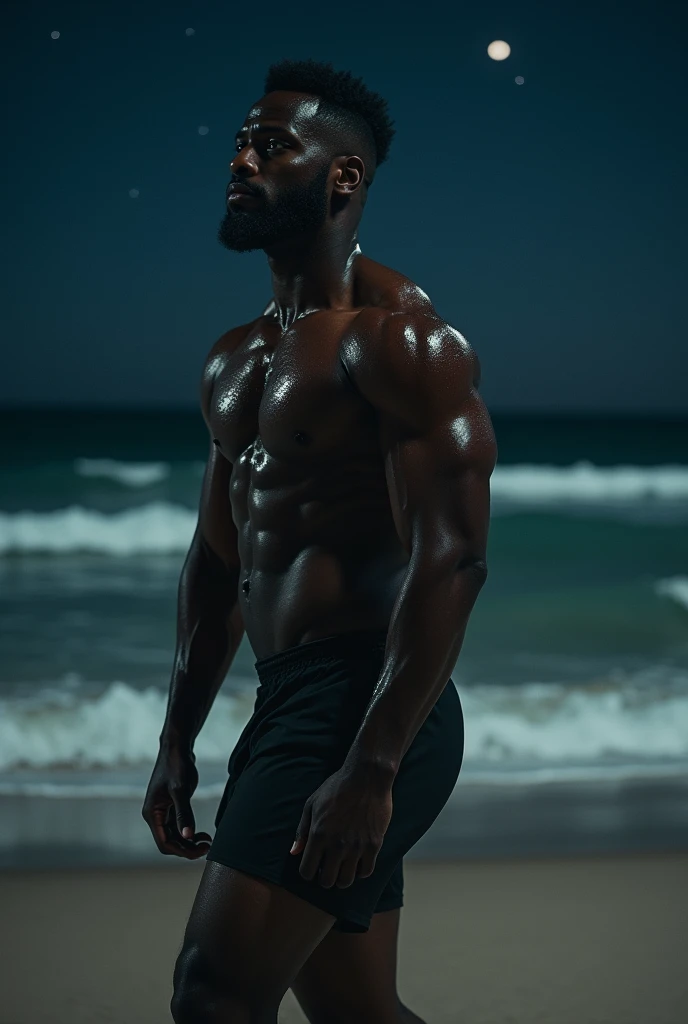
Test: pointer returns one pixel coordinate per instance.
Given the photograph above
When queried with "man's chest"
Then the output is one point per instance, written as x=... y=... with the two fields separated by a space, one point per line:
x=290 y=390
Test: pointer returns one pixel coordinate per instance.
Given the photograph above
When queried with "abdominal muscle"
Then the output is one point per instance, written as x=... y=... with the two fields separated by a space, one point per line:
x=318 y=549
x=321 y=593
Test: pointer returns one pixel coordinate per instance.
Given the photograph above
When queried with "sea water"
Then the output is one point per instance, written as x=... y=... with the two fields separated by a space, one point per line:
x=575 y=660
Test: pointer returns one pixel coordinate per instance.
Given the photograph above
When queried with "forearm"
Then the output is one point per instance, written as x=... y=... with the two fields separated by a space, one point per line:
x=425 y=635
x=209 y=631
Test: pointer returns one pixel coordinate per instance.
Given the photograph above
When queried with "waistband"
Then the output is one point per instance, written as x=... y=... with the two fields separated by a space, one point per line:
x=341 y=645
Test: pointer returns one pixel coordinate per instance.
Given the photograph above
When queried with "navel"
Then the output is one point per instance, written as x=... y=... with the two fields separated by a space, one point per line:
x=302 y=438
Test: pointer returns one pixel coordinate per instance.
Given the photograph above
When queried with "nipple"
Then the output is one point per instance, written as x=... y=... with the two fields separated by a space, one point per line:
x=301 y=437
x=215 y=441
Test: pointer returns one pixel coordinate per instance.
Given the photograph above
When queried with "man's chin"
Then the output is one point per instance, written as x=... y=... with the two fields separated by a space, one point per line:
x=244 y=230
x=239 y=235
x=238 y=241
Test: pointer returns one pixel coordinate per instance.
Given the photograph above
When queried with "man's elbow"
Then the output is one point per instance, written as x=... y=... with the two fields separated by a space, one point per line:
x=475 y=567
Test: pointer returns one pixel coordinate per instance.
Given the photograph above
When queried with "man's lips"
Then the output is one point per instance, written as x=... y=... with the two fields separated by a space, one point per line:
x=236 y=191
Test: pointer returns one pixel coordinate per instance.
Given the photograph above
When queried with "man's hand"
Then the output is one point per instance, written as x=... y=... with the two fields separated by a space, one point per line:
x=342 y=827
x=167 y=806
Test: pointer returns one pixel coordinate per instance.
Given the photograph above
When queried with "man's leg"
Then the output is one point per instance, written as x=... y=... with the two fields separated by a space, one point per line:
x=351 y=977
x=245 y=942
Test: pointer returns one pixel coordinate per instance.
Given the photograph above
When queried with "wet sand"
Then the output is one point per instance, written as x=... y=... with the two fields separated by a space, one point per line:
x=590 y=940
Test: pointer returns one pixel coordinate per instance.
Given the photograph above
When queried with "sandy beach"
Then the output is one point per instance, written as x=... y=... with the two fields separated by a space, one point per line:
x=591 y=940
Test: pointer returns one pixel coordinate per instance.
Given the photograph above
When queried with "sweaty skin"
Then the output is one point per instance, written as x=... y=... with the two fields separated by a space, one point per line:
x=318 y=546
x=347 y=480
x=346 y=488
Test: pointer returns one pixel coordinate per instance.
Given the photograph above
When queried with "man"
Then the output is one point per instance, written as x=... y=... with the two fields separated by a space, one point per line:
x=343 y=526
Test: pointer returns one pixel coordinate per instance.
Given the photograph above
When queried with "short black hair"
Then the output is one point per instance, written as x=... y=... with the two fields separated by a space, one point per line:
x=366 y=110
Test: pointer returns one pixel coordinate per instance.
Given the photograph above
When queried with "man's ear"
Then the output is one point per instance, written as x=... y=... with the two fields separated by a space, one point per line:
x=350 y=176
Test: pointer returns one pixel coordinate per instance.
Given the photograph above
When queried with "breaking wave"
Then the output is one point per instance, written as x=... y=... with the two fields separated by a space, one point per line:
x=633 y=718
x=162 y=526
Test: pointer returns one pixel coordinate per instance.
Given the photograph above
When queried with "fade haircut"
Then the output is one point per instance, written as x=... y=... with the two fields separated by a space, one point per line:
x=354 y=113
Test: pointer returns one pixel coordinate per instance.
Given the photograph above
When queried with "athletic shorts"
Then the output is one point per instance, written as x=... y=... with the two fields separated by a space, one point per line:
x=309 y=705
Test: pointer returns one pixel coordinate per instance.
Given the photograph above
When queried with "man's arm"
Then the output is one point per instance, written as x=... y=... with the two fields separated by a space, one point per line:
x=209 y=631
x=440 y=450
x=209 y=622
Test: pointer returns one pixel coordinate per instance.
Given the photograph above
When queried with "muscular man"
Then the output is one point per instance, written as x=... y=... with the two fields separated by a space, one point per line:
x=343 y=526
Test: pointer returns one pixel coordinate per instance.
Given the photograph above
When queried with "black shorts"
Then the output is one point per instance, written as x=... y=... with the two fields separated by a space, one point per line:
x=309 y=705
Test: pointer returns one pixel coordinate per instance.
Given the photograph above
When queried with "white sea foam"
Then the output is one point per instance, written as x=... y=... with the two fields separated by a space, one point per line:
x=634 y=719
x=587 y=483
x=163 y=527
x=558 y=724
x=674 y=587
x=131 y=474
x=119 y=727
x=158 y=527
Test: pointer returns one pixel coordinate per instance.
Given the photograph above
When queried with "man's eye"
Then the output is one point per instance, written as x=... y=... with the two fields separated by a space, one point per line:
x=271 y=144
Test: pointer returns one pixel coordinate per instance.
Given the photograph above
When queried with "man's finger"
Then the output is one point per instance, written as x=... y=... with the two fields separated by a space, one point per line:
x=366 y=865
x=160 y=829
x=160 y=837
x=193 y=852
x=312 y=856
x=174 y=842
x=347 y=871
x=330 y=868
x=163 y=826
x=184 y=815
x=303 y=829
x=180 y=847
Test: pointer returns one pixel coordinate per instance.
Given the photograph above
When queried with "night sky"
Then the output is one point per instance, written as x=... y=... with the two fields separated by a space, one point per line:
x=546 y=220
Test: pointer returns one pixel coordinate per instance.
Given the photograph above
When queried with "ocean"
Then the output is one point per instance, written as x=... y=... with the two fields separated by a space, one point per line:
x=575 y=661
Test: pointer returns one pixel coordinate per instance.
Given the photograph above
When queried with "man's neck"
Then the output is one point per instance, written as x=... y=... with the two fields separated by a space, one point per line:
x=318 y=275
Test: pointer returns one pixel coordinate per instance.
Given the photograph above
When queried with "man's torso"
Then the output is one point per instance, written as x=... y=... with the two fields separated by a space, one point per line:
x=319 y=549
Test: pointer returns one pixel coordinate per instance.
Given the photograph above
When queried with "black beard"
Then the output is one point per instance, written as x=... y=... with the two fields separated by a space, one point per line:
x=299 y=210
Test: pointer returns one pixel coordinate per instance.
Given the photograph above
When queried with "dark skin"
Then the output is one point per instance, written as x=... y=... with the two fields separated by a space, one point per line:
x=349 y=459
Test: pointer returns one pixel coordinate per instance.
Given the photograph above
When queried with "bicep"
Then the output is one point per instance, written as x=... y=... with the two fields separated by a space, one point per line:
x=438 y=479
x=437 y=438
x=215 y=527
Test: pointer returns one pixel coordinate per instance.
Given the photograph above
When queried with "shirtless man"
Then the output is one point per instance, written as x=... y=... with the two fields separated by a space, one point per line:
x=343 y=526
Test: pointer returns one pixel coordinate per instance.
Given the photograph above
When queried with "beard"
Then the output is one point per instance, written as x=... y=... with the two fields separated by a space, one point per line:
x=300 y=209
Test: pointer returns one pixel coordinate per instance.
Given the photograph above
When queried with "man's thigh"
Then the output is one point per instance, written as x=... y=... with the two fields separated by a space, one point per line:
x=246 y=939
x=352 y=976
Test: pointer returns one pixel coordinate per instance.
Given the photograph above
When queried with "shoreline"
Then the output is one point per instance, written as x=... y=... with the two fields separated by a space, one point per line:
x=479 y=821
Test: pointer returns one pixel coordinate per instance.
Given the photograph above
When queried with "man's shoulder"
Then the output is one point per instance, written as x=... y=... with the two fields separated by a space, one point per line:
x=398 y=308
x=407 y=334
x=414 y=349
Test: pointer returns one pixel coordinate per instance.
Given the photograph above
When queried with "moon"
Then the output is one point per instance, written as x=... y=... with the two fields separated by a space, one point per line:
x=498 y=49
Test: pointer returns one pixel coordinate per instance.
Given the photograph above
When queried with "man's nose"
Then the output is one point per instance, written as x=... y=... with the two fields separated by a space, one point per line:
x=244 y=163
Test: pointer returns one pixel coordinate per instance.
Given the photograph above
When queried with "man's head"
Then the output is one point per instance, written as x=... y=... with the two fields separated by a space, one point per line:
x=307 y=151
